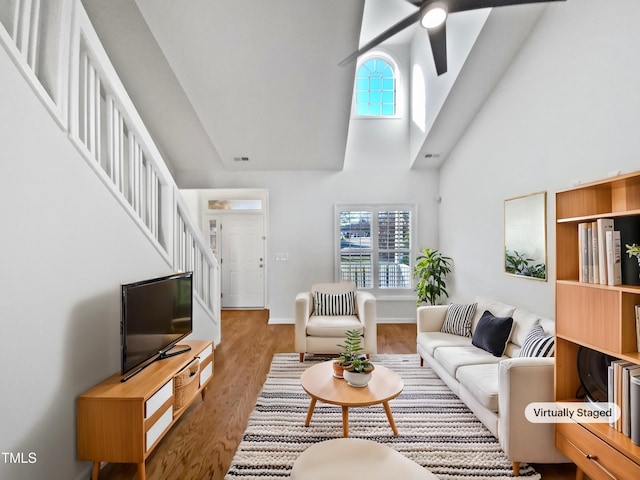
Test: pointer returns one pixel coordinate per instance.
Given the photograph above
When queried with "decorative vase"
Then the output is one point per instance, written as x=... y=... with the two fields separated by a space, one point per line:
x=356 y=379
x=338 y=370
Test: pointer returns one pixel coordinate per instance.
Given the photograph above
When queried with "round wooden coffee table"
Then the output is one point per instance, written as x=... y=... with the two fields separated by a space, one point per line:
x=318 y=381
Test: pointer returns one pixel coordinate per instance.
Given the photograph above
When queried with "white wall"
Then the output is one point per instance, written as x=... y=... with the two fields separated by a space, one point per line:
x=463 y=29
x=66 y=246
x=568 y=109
x=301 y=224
x=301 y=203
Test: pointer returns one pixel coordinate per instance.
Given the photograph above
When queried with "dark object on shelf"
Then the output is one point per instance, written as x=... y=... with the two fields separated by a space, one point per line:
x=629 y=228
x=592 y=370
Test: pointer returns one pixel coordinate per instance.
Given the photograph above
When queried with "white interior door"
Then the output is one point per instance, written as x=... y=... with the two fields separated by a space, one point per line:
x=242 y=256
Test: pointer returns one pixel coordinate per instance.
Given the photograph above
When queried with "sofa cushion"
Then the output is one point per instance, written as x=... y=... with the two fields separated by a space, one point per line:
x=548 y=325
x=523 y=321
x=482 y=383
x=458 y=319
x=499 y=309
x=538 y=343
x=492 y=333
x=334 y=303
x=452 y=358
x=430 y=341
x=332 y=326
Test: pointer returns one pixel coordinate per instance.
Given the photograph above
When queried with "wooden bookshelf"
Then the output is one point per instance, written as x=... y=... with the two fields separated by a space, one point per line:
x=599 y=317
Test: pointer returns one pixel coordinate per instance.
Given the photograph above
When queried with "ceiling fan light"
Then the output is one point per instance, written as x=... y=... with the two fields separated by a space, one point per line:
x=433 y=16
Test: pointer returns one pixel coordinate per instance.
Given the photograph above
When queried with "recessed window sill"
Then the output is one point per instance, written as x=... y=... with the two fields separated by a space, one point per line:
x=376 y=117
x=396 y=298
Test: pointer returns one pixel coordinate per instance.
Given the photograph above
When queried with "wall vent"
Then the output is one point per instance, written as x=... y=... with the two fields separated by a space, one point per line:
x=240 y=159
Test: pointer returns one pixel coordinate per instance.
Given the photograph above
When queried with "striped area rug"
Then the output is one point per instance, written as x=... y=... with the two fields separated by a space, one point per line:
x=435 y=428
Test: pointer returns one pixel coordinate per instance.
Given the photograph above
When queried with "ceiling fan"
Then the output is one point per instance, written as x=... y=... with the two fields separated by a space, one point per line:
x=432 y=15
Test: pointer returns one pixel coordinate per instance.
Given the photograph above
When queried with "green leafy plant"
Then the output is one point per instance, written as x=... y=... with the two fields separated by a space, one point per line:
x=352 y=357
x=351 y=348
x=431 y=268
x=518 y=264
x=633 y=251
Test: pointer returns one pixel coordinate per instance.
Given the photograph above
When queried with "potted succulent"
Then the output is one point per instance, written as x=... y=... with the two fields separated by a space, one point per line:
x=358 y=373
x=431 y=268
x=356 y=368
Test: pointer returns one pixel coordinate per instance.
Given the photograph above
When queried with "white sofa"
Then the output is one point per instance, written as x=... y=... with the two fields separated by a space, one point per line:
x=496 y=389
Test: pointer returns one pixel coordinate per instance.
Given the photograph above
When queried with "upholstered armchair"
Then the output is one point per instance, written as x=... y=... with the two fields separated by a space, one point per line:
x=324 y=314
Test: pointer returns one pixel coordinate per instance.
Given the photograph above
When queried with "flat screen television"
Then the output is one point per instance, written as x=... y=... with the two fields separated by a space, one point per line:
x=156 y=314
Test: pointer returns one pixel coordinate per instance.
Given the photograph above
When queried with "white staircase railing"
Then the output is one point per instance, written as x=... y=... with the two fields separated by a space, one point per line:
x=82 y=91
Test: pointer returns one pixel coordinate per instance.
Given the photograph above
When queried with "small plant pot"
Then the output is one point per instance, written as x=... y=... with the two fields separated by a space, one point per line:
x=337 y=369
x=356 y=379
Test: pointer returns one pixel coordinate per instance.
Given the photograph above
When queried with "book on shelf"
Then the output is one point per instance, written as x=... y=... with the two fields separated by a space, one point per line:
x=593 y=258
x=610 y=390
x=604 y=225
x=637 y=312
x=627 y=372
x=619 y=391
x=583 y=251
x=614 y=259
x=595 y=261
x=589 y=248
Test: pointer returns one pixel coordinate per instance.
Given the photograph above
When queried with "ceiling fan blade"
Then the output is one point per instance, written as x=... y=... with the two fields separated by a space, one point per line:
x=438 y=41
x=463 y=5
x=398 y=27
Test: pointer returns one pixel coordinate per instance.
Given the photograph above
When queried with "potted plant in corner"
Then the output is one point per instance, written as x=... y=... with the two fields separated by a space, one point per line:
x=352 y=364
x=431 y=268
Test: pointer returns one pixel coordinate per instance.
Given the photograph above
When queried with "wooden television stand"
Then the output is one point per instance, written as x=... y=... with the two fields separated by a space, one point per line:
x=123 y=422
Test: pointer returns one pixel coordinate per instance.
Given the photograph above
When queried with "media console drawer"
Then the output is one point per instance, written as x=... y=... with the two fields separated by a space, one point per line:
x=159 y=427
x=206 y=353
x=152 y=405
x=594 y=457
x=205 y=373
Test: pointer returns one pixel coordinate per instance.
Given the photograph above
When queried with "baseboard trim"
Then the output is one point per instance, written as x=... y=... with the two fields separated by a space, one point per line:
x=281 y=321
x=291 y=321
x=397 y=320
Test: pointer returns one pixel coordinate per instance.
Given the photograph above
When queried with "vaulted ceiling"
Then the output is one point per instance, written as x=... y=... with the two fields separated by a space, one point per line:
x=256 y=85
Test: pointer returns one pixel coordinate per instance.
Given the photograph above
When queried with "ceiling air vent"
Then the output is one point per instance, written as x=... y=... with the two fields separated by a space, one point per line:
x=240 y=159
x=431 y=155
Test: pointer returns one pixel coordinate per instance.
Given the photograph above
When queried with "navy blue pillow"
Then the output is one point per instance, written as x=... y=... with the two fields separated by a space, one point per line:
x=492 y=333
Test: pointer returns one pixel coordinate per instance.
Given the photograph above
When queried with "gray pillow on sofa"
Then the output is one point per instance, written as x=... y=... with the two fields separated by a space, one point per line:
x=458 y=319
x=492 y=333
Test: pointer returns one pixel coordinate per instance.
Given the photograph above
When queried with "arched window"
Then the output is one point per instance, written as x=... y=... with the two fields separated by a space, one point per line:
x=375 y=88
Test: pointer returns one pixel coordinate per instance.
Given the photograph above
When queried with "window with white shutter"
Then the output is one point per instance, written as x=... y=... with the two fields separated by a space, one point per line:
x=375 y=246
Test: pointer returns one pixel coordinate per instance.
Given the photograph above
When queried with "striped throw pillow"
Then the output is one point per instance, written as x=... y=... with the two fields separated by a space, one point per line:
x=334 y=303
x=537 y=343
x=458 y=319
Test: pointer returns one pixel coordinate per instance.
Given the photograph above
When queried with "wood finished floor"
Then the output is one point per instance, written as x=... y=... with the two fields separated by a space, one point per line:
x=202 y=444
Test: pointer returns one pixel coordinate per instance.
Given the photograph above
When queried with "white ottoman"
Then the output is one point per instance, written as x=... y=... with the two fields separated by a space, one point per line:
x=356 y=458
